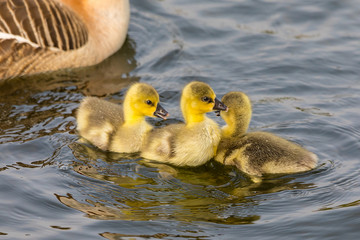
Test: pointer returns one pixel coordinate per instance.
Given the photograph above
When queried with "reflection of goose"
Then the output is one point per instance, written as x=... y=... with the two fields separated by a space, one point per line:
x=192 y=143
x=119 y=128
x=257 y=153
x=45 y=35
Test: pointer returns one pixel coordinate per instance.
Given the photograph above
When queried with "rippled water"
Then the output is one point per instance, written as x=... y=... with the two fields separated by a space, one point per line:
x=297 y=60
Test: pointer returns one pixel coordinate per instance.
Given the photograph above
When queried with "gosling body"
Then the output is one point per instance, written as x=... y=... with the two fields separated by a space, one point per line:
x=257 y=153
x=194 y=142
x=183 y=145
x=116 y=128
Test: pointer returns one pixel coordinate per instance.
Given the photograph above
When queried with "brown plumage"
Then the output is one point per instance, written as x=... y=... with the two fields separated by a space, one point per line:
x=46 y=35
x=257 y=153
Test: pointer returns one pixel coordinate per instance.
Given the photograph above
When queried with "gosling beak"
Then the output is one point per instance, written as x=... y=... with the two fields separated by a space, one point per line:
x=160 y=112
x=219 y=106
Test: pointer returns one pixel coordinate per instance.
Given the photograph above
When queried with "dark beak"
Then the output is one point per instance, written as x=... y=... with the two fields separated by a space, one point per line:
x=219 y=106
x=160 y=112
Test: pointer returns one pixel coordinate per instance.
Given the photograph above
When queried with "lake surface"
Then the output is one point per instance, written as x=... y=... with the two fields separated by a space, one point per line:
x=299 y=61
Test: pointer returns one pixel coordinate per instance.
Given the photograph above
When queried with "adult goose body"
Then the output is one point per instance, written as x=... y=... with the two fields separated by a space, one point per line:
x=47 y=35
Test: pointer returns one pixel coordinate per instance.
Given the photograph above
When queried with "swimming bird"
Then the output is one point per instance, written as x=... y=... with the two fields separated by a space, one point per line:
x=191 y=143
x=257 y=153
x=46 y=35
x=116 y=128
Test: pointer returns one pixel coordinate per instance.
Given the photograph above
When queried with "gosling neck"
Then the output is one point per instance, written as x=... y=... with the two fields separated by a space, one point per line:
x=190 y=115
x=131 y=116
x=191 y=118
x=236 y=125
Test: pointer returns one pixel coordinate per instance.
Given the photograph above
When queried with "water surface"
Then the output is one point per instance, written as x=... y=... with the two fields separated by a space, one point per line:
x=297 y=60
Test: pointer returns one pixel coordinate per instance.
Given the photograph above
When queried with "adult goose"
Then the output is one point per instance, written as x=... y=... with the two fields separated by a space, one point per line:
x=46 y=35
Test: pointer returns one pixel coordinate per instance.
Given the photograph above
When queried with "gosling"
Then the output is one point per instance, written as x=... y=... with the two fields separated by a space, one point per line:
x=257 y=153
x=116 y=128
x=194 y=142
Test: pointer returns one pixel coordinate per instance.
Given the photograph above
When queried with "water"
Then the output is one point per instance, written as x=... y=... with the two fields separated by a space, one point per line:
x=297 y=60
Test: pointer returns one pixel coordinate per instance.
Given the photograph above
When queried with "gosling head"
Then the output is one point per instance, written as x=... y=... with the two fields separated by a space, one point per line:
x=143 y=100
x=199 y=98
x=239 y=111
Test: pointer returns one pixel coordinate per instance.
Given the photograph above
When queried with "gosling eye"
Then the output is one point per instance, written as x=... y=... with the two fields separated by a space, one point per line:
x=206 y=99
x=149 y=102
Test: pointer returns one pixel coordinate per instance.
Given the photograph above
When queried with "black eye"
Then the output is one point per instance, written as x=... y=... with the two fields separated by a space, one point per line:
x=206 y=99
x=148 y=102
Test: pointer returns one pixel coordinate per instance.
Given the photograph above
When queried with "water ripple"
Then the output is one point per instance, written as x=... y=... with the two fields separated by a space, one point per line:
x=297 y=61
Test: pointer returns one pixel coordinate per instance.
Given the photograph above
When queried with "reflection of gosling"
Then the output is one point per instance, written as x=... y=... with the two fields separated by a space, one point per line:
x=257 y=153
x=192 y=143
x=119 y=128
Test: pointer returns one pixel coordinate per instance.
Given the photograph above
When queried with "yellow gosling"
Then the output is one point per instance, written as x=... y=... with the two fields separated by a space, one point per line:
x=118 y=128
x=257 y=153
x=194 y=142
x=46 y=35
